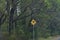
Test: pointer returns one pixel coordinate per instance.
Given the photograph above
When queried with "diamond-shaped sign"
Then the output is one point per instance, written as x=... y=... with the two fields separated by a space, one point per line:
x=33 y=22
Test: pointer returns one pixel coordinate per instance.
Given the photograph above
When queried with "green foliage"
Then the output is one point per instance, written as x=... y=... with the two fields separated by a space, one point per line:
x=2 y=5
x=46 y=11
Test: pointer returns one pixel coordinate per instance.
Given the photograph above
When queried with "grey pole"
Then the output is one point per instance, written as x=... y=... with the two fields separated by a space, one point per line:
x=33 y=33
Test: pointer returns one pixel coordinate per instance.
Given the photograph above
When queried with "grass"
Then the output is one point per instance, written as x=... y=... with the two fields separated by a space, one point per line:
x=49 y=38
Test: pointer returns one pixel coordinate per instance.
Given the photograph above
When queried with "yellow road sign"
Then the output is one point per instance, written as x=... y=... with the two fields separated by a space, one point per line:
x=33 y=22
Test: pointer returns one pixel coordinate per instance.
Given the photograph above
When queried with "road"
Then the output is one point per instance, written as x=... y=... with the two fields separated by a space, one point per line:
x=56 y=38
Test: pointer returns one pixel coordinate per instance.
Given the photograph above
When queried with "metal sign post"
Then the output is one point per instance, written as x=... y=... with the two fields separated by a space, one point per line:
x=33 y=34
x=33 y=22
